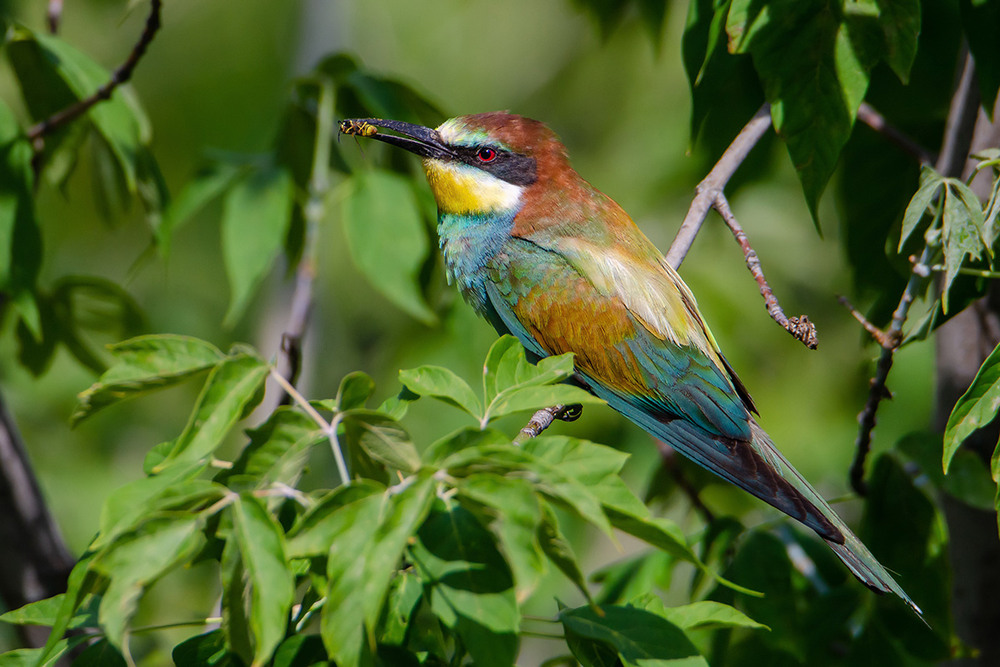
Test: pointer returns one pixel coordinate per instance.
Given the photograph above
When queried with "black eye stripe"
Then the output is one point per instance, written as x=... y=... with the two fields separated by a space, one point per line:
x=512 y=167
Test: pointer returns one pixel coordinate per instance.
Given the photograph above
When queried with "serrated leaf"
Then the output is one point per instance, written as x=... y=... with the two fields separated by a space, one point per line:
x=930 y=184
x=444 y=385
x=232 y=388
x=316 y=530
x=137 y=559
x=963 y=222
x=387 y=239
x=277 y=451
x=255 y=221
x=813 y=58
x=470 y=585
x=382 y=438
x=362 y=562
x=976 y=408
x=145 y=364
x=272 y=586
x=638 y=636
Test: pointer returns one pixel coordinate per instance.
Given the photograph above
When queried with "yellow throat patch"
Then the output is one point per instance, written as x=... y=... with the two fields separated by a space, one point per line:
x=461 y=189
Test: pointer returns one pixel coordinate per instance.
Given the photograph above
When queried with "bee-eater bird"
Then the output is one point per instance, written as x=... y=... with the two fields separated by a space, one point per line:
x=544 y=255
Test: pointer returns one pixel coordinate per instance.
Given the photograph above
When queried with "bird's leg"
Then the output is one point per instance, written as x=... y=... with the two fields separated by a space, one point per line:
x=542 y=419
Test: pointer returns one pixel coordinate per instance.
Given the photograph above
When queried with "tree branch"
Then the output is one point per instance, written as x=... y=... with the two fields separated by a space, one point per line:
x=122 y=74
x=709 y=195
x=289 y=360
x=873 y=119
x=543 y=419
x=34 y=560
x=954 y=153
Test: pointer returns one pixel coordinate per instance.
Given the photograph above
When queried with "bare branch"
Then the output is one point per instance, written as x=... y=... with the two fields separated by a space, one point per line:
x=873 y=119
x=122 y=74
x=801 y=328
x=289 y=360
x=713 y=184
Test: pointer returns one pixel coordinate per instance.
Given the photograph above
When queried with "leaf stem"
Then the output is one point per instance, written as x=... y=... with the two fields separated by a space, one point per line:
x=330 y=429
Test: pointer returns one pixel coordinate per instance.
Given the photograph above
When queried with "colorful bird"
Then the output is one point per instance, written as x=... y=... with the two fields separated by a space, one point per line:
x=544 y=255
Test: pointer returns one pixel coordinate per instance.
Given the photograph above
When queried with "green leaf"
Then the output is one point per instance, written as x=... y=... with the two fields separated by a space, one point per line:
x=127 y=505
x=900 y=24
x=278 y=450
x=362 y=562
x=963 y=231
x=520 y=399
x=443 y=385
x=312 y=535
x=46 y=612
x=382 y=438
x=708 y=615
x=101 y=653
x=355 y=390
x=976 y=408
x=195 y=195
x=930 y=184
x=558 y=550
x=387 y=239
x=20 y=237
x=40 y=657
x=255 y=222
x=272 y=586
x=81 y=582
x=470 y=585
x=813 y=58
x=462 y=439
x=137 y=559
x=516 y=507
x=497 y=357
x=405 y=594
x=232 y=388
x=300 y=650
x=205 y=650
x=145 y=364
x=638 y=636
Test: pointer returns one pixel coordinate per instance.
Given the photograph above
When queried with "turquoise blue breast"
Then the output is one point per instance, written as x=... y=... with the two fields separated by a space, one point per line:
x=469 y=243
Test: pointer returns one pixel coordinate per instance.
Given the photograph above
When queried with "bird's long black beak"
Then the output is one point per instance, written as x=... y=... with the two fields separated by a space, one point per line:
x=417 y=139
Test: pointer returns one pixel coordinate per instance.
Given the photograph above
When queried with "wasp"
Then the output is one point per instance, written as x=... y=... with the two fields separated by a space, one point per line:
x=358 y=128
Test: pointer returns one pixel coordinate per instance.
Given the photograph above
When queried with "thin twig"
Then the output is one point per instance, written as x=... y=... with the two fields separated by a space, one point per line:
x=290 y=353
x=543 y=419
x=801 y=328
x=122 y=74
x=880 y=336
x=873 y=119
x=330 y=429
x=54 y=15
x=954 y=151
x=714 y=183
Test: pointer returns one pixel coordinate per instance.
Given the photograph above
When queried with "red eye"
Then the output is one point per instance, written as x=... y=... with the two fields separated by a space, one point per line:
x=486 y=154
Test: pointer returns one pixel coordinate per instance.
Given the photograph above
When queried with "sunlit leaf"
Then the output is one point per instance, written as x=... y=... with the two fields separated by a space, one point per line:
x=382 y=438
x=963 y=231
x=355 y=390
x=139 y=558
x=277 y=451
x=145 y=364
x=976 y=408
x=443 y=384
x=262 y=550
x=386 y=237
x=232 y=387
